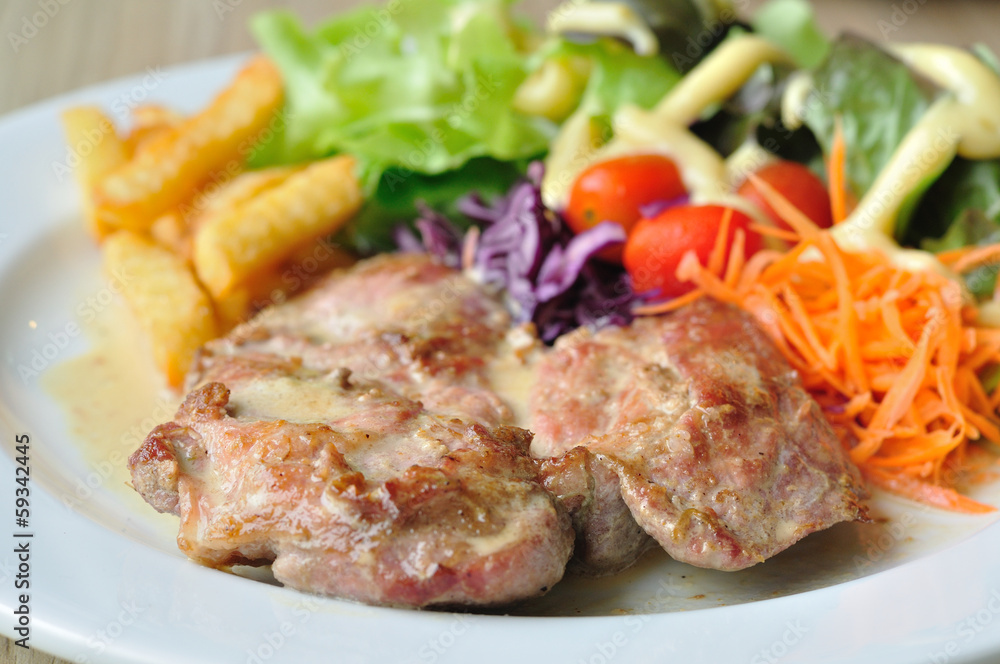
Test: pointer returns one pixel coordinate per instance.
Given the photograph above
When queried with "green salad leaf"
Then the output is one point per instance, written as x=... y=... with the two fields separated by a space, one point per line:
x=753 y=114
x=395 y=198
x=687 y=30
x=617 y=75
x=878 y=100
x=791 y=24
x=421 y=92
x=423 y=85
x=965 y=187
x=962 y=207
x=971 y=227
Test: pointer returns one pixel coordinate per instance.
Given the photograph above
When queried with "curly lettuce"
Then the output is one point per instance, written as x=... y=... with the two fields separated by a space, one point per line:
x=423 y=85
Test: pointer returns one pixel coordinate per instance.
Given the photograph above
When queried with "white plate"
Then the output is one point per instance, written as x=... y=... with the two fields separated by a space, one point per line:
x=108 y=584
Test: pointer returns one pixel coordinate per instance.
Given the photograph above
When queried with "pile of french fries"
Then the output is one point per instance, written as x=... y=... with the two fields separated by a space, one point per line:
x=203 y=240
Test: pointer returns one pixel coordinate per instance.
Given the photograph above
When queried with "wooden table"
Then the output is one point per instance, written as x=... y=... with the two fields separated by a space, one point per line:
x=84 y=42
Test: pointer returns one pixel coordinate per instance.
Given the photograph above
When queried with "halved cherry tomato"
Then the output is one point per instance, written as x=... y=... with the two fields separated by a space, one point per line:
x=655 y=247
x=616 y=189
x=796 y=183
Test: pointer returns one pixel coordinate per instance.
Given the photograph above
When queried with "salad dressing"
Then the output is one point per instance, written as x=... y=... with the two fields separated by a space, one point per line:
x=604 y=18
x=717 y=77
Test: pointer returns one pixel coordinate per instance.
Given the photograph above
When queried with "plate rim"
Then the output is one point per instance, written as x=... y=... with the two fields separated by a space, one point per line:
x=492 y=632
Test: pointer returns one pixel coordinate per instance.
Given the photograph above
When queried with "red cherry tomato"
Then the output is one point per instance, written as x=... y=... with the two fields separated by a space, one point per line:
x=656 y=246
x=796 y=183
x=616 y=189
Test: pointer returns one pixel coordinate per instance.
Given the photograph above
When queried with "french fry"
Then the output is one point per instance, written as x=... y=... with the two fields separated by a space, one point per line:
x=316 y=201
x=174 y=229
x=240 y=304
x=210 y=201
x=165 y=170
x=170 y=231
x=148 y=122
x=92 y=138
x=154 y=116
x=234 y=307
x=166 y=299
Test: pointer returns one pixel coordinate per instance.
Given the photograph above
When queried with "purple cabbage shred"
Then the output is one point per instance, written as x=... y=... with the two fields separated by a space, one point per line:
x=439 y=237
x=551 y=276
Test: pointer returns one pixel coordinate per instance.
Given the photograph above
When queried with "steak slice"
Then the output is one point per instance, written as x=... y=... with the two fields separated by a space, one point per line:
x=352 y=490
x=720 y=453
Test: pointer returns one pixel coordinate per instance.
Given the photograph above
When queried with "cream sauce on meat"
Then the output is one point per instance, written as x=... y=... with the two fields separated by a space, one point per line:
x=289 y=399
x=511 y=372
x=112 y=396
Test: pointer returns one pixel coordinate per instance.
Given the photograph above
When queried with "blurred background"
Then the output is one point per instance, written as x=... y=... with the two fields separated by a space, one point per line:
x=53 y=46
x=86 y=41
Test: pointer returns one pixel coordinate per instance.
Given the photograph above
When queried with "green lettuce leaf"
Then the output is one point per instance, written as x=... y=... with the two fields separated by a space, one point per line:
x=394 y=199
x=962 y=207
x=421 y=92
x=878 y=99
x=791 y=24
x=972 y=227
x=617 y=75
x=687 y=30
x=423 y=85
x=966 y=186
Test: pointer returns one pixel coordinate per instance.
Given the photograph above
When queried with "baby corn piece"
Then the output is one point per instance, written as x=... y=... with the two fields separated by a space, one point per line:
x=163 y=294
x=268 y=228
x=98 y=149
x=166 y=169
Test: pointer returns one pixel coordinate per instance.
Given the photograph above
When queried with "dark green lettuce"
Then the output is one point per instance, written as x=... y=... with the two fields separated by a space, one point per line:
x=878 y=100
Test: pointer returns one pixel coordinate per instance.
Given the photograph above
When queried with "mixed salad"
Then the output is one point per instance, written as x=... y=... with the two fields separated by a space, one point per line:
x=628 y=158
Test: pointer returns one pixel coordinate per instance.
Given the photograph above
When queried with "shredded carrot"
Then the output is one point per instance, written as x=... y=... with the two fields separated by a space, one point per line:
x=964 y=259
x=799 y=222
x=837 y=174
x=925 y=492
x=771 y=231
x=891 y=355
x=718 y=254
x=469 y=246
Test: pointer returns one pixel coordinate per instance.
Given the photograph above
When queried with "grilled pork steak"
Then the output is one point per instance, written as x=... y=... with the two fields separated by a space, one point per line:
x=721 y=455
x=364 y=437
x=300 y=443
x=352 y=491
